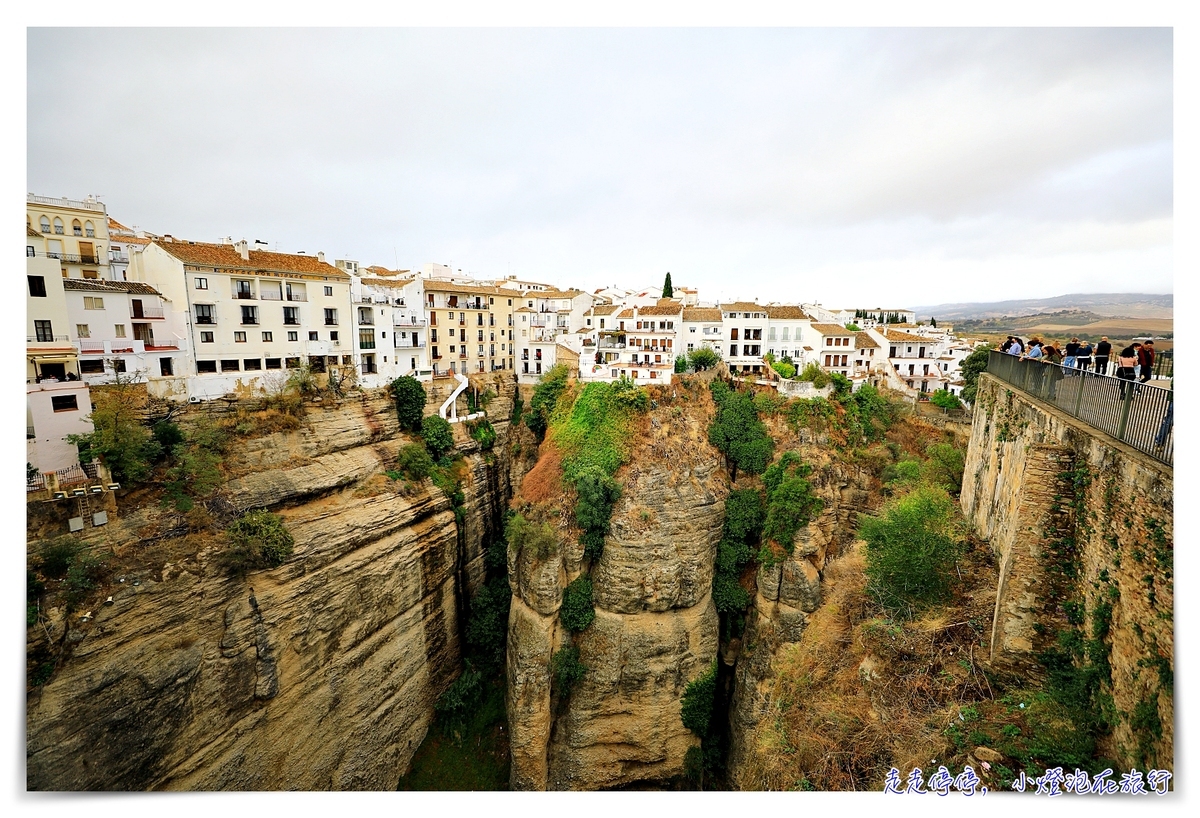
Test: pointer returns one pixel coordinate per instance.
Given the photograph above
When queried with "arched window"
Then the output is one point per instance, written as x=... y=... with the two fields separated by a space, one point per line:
x=45 y=223
x=58 y=226
x=76 y=227
x=89 y=229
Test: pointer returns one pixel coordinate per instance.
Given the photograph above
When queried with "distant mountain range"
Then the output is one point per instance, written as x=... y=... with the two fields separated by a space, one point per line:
x=1125 y=305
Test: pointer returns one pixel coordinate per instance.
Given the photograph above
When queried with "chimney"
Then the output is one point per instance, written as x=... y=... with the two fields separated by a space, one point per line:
x=321 y=256
x=167 y=237
x=243 y=249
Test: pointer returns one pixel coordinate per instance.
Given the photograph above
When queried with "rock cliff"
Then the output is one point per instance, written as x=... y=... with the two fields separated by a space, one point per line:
x=319 y=674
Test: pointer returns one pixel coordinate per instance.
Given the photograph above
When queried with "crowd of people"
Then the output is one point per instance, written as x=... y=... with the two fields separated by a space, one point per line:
x=1134 y=362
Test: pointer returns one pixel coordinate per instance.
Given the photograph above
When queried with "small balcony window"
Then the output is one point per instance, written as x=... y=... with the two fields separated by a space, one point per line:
x=330 y=317
x=249 y=315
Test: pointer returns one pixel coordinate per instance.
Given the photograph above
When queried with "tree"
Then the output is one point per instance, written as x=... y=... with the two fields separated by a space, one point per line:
x=703 y=358
x=597 y=494
x=911 y=549
x=813 y=373
x=970 y=367
x=119 y=437
x=409 y=395
x=577 y=611
x=438 y=435
x=945 y=399
x=933 y=322
x=258 y=539
x=785 y=370
x=668 y=290
x=738 y=433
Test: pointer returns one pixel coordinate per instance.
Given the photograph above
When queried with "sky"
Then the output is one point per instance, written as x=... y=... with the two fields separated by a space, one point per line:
x=854 y=167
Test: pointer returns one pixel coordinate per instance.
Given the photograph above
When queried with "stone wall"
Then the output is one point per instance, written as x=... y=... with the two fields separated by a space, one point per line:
x=1076 y=518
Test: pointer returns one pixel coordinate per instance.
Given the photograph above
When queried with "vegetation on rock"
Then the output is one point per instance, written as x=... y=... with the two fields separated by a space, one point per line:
x=566 y=670
x=577 y=611
x=438 y=436
x=545 y=399
x=409 y=396
x=258 y=539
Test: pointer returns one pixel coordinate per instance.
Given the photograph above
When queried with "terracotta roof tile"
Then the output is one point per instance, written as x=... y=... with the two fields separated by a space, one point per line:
x=786 y=312
x=605 y=309
x=225 y=255
x=96 y=286
x=832 y=329
x=743 y=306
x=433 y=285
x=387 y=282
x=863 y=340
x=29 y=231
x=894 y=335
x=661 y=309
x=701 y=314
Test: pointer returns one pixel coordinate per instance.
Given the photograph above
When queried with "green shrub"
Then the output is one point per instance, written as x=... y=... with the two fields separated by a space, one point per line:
x=944 y=466
x=626 y=393
x=438 y=435
x=566 y=669
x=841 y=384
x=58 y=555
x=577 y=611
x=518 y=410
x=195 y=470
x=168 y=435
x=814 y=375
x=413 y=461
x=82 y=577
x=545 y=398
x=522 y=533
x=728 y=595
x=905 y=472
x=680 y=364
x=912 y=547
x=744 y=515
x=703 y=358
x=462 y=696
x=598 y=493
x=487 y=624
x=119 y=437
x=971 y=367
x=482 y=432
x=945 y=399
x=409 y=395
x=785 y=370
x=791 y=507
x=258 y=539
x=698 y=702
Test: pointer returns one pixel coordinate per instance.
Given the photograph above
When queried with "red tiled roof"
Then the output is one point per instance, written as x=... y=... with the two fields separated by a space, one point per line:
x=96 y=286
x=893 y=335
x=661 y=309
x=225 y=255
x=864 y=341
x=701 y=314
x=786 y=312
x=450 y=287
x=832 y=329
x=743 y=306
x=29 y=231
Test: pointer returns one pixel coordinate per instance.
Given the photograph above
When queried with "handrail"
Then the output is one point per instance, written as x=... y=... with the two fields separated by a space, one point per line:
x=1137 y=414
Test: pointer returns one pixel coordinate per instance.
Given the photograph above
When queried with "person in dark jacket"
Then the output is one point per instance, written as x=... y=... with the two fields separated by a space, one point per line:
x=1103 y=350
x=1126 y=361
x=1083 y=357
x=1146 y=361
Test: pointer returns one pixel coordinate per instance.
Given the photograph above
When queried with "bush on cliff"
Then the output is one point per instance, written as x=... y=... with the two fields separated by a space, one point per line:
x=702 y=359
x=545 y=398
x=119 y=437
x=413 y=462
x=912 y=547
x=258 y=539
x=409 y=395
x=438 y=435
x=577 y=611
x=566 y=669
x=597 y=494
x=971 y=367
x=738 y=433
x=696 y=709
x=481 y=431
x=523 y=533
x=791 y=504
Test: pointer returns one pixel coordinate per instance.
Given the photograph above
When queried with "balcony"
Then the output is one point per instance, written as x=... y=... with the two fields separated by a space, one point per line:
x=366 y=344
x=47 y=339
x=118 y=258
x=206 y=319
x=147 y=312
x=412 y=345
x=244 y=296
x=296 y=297
x=270 y=295
x=407 y=321
x=65 y=202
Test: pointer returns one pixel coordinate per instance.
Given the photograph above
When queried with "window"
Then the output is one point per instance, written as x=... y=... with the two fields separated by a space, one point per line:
x=480 y=335
x=206 y=366
x=206 y=337
x=166 y=367
x=82 y=331
x=119 y=329
x=201 y=283
x=333 y=336
x=293 y=335
x=231 y=366
x=241 y=290
x=76 y=227
x=90 y=274
x=330 y=316
x=204 y=314
x=366 y=339
x=312 y=336
x=45 y=223
x=89 y=229
x=252 y=364
x=366 y=315
x=64 y=403
x=274 y=363
x=58 y=226
x=239 y=337
x=119 y=365
x=90 y=303
x=249 y=315
x=267 y=336
x=37 y=286
x=291 y=316
x=292 y=363
x=43 y=331
x=329 y=291
x=91 y=367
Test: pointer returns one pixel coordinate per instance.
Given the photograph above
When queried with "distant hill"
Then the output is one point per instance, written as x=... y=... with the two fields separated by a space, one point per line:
x=1123 y=305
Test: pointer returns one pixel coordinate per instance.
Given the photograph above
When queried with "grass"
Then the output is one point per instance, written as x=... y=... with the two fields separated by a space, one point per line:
x=472 y=758
x=594 y=430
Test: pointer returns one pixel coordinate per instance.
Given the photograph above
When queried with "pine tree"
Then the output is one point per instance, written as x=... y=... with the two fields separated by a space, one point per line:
x=933 y=322
x=668 y=290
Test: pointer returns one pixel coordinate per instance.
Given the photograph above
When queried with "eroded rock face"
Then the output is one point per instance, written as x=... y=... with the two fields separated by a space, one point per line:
x=319 y=674
x=655 y=630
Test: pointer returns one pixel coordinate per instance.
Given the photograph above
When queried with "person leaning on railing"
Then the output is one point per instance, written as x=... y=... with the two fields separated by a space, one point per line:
x=1083 y=358
x=1051 y=355
x=1072 y=350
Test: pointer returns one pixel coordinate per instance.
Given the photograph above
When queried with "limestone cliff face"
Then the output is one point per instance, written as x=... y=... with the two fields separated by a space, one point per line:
x=655 y=628
x=786 y=594
x=320 y=674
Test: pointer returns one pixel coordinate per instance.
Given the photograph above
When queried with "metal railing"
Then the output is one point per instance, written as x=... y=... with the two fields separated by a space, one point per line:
x=1138 y=414
x=65 y=202
x=1164 y=364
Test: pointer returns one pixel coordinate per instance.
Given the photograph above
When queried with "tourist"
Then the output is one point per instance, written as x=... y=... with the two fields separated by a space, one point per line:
x=1015 y=347
x=1072 y=351
x=1034 y=351
x=1103 y=350
x=1146 y=361
x=1126 y=361
x=1083 y=357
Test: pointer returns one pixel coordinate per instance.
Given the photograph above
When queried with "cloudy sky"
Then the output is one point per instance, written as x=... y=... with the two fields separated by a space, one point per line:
x=855 y=167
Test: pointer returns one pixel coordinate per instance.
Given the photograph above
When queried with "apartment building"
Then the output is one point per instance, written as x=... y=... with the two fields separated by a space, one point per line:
x=636 y=342
x=75 y=233
x=545 y=322
x=470 y=326
x=835 y=349
x=790 y=334
x=915 y=359
x=123 y=242
x=382 y=305
x=745 y=326
x=700 y=328
x=248 y=313
x=123 y=328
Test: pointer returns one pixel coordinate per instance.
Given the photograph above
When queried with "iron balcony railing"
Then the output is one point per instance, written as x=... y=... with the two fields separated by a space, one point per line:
x=1140 y=415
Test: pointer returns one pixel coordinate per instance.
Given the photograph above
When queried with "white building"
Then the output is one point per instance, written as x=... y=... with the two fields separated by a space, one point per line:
x=790 y=334
x=744 y=326
x=124 y=327
x=701 y=328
